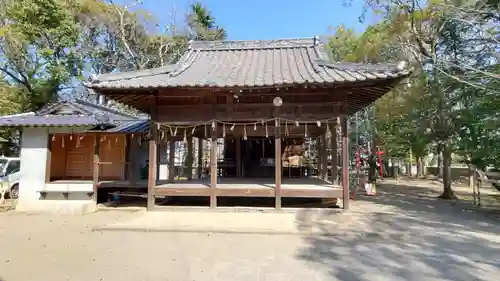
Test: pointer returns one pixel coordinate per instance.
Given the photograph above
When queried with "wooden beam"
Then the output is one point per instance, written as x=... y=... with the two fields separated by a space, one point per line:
x=345 y=164
x=171 y=159
x=190 y=157
x=153 y=163
x=145 y=99
x=213 y=169
x=253 y=105
x=95 y=167
x=333 y=153
x=194 y=189
x=200 y=157
x=277 y=165
x=245 y=112
x=238 y=131
x=238 y=157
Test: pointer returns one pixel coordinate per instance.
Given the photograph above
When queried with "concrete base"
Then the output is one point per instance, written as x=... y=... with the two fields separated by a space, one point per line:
x=299 y=222
x=69 y=207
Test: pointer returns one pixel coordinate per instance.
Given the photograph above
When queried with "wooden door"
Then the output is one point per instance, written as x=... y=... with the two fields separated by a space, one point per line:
x=112 y=155
x=79 y=156
x=58 y=148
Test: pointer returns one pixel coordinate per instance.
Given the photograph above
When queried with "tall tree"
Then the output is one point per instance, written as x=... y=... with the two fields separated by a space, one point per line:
x=202 y=24
x=37 y=49
x=456 y=44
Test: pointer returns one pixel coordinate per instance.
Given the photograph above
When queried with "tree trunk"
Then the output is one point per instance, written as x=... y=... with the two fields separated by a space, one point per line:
x=396 y=171
x=471 y=176
x=439 y=161
x=447 y=191
x=422 y=167
x=419 y=168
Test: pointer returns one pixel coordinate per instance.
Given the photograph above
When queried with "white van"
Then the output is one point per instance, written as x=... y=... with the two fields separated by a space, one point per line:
x=10 y=168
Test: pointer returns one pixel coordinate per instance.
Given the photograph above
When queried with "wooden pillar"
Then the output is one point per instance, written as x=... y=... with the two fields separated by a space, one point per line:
x=277 y=165
x=318 y=158
x=190 y=157
x=171 y=159
x=333 y=153
x=324 y=158
x=345 y=164
x=213 y=169
x=159 y=145
x=238 y=157
x=200 y=157
x=95 y=168
x=153 y=163
x=48 y=162
x=130 y=158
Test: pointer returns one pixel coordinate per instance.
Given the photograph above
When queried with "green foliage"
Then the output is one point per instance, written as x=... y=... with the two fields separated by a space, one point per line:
x=203 y=25
x=38 y=49
x=453 y=103
x=46 y=46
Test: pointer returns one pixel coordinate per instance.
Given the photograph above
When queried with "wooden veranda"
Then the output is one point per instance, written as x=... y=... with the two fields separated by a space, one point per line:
x=276 y=92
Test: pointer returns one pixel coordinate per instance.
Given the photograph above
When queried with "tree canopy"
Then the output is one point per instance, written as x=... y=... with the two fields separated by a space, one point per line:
x=47 y=47
x=450 y=104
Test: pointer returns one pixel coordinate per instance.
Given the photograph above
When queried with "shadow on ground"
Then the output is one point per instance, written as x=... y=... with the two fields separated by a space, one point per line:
x=405 y=233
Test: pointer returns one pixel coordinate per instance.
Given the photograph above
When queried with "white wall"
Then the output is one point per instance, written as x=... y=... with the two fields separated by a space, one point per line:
x=34 y=155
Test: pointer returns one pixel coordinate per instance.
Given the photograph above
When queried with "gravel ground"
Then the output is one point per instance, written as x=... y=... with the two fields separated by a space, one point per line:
x=431 y=240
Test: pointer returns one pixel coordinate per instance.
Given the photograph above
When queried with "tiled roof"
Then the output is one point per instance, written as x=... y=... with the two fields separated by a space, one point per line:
x=85 y=108
x=76 y=114
x=48 y=121
x=136 y=126
x=251 y=64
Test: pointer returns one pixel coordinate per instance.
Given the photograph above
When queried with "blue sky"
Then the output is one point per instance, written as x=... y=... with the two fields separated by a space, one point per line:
x=267 y=19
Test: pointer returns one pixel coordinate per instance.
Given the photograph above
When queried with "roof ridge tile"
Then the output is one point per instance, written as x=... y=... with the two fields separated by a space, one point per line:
x=253 y=44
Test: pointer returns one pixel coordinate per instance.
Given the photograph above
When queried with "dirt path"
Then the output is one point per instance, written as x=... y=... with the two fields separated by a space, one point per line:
x=425 y=240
